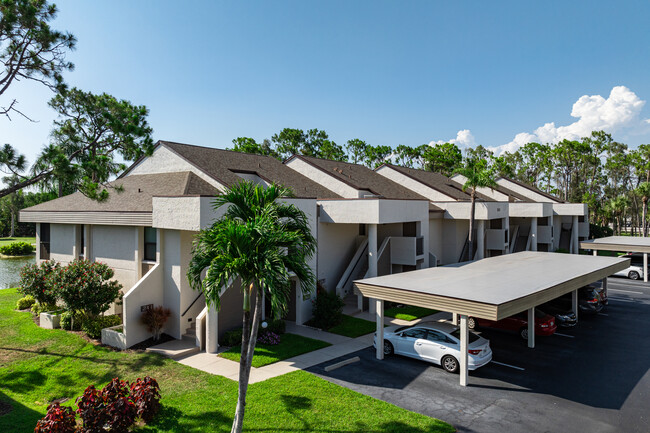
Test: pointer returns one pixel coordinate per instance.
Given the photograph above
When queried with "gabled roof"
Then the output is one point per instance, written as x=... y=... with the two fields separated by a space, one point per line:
x=361 y=178
x=439 y=182
x=223 y=166
x=533 y=189
x=136 y=196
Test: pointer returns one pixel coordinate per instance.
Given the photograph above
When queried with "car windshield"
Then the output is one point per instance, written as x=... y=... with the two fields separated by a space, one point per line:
x=472 y=337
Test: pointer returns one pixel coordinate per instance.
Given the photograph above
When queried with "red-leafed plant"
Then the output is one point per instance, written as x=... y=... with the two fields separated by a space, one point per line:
x=58 y=419
x=92 y=411
x=109 y=409
x=146 y=397
x=121 y=415
x=154 y=319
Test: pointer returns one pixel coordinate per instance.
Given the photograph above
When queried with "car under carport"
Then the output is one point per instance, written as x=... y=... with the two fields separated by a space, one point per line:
x=492 y=288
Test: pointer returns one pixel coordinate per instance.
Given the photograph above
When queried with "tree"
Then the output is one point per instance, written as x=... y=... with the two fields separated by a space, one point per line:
x=644 y=191
x=259 y=240
x=356 y=150
x=29 y=48
x=376 y=156
x=443 y=158
x=90 y=130
x=249 y=145
x=478 y=175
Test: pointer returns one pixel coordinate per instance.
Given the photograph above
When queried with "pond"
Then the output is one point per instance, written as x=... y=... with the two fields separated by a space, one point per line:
x=10 y=270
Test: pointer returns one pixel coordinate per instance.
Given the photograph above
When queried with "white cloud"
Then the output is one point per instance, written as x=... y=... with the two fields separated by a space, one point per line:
x=464 y=138
x=620 y=112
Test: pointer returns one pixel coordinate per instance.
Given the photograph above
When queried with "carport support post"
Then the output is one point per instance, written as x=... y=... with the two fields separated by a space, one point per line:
x=372 y=258
x=533 y=234
x=464 y=338
x=480 y=240
x=574 y=235
x=574 y=302
x=645 y=267
x=531 y=328
x=379 y=315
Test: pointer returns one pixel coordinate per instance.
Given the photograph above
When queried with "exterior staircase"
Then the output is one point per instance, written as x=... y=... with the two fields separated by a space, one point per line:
x=190 y=333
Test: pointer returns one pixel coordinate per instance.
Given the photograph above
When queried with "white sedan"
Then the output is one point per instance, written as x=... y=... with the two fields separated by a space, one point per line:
x=635 y=271
x=436 y=342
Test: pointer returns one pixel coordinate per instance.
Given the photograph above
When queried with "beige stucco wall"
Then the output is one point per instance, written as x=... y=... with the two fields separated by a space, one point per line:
x=115 y=246
x=337 y=244
x=164 y=160
x=413 y=184
x=317 y=175
x=62 y=242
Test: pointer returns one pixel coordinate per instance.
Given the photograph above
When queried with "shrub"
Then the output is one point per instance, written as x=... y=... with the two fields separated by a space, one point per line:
x=146 y=396
x=57 y=420
x=232 y=338
x=25 y=302
x=93 y=325
x=278 y=326
x=154 y=319
x=596 y=231
x=68 y=318
x=87 y=286
x=17 y=249
x=39 y=308
x=328 y=309
x=268 y=337
x=39 y=281
x=110 y=407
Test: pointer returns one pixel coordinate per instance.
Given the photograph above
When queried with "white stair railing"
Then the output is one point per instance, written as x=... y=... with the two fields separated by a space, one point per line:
x=359 y=258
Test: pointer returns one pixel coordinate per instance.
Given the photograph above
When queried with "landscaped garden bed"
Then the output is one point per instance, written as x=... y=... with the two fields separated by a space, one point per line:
x=40 y=366
x=407 y=312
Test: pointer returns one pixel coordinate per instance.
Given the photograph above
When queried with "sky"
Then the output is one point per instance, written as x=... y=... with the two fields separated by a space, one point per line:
x=498 y=74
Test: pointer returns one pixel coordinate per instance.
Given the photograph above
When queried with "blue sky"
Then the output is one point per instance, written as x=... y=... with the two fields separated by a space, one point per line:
x=385 y=71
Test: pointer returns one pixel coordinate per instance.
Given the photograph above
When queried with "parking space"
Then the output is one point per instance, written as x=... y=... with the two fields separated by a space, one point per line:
x=594 y=377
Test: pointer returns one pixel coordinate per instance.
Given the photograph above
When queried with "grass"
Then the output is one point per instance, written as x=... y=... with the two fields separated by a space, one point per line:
x=408 y=312
x=353 y=327
x=40 y=365
x=7 y=241
x=290 y=345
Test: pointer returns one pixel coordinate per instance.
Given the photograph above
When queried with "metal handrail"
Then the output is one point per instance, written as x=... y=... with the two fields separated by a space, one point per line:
x=192 y=304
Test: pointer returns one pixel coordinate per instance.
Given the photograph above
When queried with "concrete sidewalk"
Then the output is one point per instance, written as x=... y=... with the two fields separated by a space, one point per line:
x=340 y=346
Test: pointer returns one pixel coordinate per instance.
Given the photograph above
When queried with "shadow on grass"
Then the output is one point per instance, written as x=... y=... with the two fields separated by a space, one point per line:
x=19 y=418
x=172 y=419
x=146 y=359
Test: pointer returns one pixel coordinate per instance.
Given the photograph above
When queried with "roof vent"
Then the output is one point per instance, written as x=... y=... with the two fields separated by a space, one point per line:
x=139 y=190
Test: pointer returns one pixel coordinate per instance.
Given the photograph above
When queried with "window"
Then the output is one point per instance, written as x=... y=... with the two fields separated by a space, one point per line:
x=415 y=333
x=472 y=337
x=439 y=337
x=150 y=237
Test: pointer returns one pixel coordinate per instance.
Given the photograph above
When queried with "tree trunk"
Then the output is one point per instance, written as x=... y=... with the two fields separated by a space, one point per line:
x=645 y=213
x=471 y=225
x=249 y=338
x=12 y=229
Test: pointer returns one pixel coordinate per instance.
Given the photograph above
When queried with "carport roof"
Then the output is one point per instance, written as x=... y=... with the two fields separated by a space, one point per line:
x=618 y=243
x=492 y=288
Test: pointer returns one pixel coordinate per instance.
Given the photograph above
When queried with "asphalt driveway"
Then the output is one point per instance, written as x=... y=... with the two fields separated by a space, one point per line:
x=593 y=378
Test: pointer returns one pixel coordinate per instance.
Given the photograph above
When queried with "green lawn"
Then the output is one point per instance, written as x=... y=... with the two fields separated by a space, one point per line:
x=408 y=312
x=7 y=241
x=353 y=327
x=39 y=365
x=290 y=345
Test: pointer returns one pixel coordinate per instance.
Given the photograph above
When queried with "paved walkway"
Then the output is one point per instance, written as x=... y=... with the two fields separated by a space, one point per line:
x=340 y=346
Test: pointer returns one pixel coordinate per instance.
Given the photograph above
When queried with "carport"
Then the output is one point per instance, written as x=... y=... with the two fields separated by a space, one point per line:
x=627 y=244
x=492 y=288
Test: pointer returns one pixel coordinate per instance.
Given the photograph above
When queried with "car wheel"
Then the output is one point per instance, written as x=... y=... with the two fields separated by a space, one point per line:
x=388 y=348
x=633 y=275
x=471 y=323
x=524 y=333
x=449 y=363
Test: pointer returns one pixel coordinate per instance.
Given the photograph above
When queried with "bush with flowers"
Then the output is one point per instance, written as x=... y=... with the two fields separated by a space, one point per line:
x=36 y=281
x=269 y=337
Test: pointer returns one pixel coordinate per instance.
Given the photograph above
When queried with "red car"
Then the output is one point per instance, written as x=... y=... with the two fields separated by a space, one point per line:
x=544 y=323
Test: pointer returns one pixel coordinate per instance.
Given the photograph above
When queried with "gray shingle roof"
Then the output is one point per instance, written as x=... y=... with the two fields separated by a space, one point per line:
x=439 y=182
x=362 y=178
x=222 y=165
x=136 y=195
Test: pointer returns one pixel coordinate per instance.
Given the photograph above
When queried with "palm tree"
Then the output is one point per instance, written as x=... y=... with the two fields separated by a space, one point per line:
x=261 y=241
x=644 y=191
x=477 y=174
x=617 y=206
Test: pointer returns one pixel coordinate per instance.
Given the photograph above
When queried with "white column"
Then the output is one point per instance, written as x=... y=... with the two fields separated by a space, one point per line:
x=379 y=317
x=533 y=234
x=372 y=259
x=531 y=328
x=211 y=331
x=38 y=242
x=645 y=267
x=454 y=318
x=595 y=253
x=464 y=338
x=424 y=232
x=574 y=302
x=139 y=251
x=574 y=235
x=480 y=239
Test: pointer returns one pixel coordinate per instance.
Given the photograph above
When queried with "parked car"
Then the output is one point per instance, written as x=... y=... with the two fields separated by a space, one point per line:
x=589 y=300
x=635 y=271
x=602 y=292
x=544 y=323
x=564 y=318
x=435 y=342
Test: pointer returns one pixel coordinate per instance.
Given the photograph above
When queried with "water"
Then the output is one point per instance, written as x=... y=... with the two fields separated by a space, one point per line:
x=10 y=270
